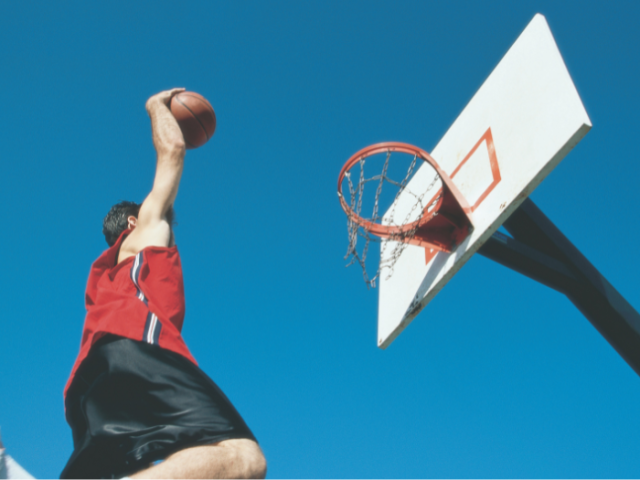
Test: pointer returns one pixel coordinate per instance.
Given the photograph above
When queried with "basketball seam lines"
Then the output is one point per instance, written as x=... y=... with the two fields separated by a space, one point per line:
x=194 y=116
x=201 y=100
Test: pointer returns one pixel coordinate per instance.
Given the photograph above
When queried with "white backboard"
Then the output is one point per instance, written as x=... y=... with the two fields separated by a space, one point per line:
x=522 y=121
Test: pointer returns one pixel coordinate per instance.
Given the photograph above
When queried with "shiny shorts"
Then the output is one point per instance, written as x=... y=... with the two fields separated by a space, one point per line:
x=132 y=403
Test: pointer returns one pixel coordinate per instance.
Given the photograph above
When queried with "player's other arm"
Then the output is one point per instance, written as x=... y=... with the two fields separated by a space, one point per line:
x=151 y=226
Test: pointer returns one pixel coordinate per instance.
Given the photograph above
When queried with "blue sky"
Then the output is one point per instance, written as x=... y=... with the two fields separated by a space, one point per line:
x=497 y=377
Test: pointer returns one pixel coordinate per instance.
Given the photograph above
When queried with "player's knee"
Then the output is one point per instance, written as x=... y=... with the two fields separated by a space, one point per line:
x=250 y=458
x=256 y=464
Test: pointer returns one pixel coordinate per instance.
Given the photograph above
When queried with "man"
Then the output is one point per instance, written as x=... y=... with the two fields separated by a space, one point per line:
x=136 y=395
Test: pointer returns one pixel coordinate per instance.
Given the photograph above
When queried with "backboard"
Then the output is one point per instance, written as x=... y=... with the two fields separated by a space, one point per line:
x=520 y=124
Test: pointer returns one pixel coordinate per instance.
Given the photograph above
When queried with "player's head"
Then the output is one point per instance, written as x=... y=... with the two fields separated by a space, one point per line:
x=123 y=216
x=117 y=221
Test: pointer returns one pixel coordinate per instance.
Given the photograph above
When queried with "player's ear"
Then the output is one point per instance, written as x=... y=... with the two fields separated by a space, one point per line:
x=131 y=221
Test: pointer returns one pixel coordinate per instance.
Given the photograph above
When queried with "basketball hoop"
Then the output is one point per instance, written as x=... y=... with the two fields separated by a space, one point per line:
x=436 y=221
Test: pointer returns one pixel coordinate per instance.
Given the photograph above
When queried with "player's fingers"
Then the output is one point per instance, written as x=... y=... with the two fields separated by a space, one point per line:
x=167 y=95
x=175 y=91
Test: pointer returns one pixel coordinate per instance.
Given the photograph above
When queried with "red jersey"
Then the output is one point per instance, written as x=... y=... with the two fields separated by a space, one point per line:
x=141 y=298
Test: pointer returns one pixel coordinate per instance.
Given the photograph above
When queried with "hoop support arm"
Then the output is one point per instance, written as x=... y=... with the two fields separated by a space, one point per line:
x=540 y=251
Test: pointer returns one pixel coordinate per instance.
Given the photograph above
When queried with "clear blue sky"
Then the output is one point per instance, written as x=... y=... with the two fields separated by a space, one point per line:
x=498 y=377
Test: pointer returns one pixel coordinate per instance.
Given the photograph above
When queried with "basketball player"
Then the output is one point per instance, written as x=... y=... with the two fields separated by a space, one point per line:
x=135 y=395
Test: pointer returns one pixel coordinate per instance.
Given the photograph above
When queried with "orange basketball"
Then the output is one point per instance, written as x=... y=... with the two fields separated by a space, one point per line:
x=195 y=116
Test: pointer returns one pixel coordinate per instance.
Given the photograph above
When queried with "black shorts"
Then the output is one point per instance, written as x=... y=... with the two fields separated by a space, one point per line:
x=132 y=403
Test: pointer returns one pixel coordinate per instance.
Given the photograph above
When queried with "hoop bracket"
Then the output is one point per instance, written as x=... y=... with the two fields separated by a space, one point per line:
x=442 y=227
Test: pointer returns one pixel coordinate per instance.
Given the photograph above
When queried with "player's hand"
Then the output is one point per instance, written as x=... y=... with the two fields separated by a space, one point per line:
x=162 y=98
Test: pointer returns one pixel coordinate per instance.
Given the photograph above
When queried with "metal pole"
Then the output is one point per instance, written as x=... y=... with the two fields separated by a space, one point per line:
x=540 y=251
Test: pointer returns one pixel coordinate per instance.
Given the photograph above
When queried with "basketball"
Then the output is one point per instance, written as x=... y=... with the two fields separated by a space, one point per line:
x=195 y=116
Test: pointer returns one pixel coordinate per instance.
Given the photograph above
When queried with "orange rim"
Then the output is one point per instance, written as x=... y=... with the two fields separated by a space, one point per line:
x=377 y=228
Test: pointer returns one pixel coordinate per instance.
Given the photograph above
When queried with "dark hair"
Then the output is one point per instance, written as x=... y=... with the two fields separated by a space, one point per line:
x=116 y=220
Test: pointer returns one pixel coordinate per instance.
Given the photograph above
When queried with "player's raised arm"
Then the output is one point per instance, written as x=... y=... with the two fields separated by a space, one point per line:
x=170 y=148
x=151 y=226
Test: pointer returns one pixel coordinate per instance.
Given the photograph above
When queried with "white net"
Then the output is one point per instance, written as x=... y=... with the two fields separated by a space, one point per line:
x=406 y=202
